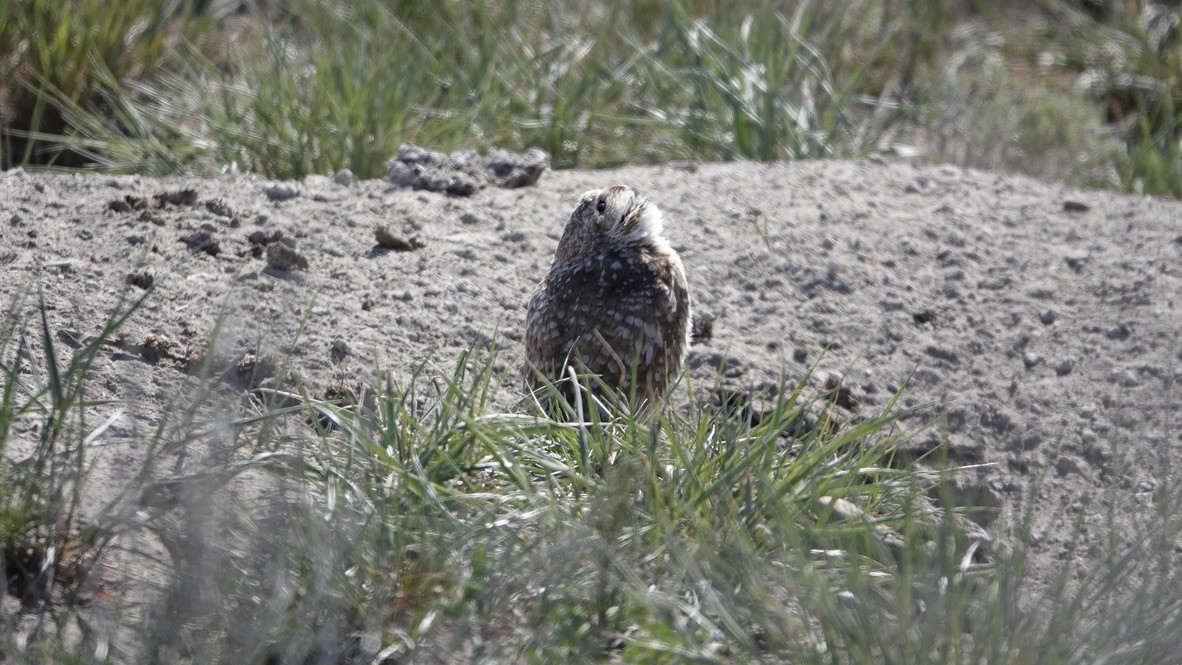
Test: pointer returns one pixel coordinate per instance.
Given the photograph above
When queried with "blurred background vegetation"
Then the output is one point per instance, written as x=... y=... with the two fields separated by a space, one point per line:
x=1084 y=91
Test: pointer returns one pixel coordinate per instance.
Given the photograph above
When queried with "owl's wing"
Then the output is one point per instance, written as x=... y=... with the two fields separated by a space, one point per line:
x=610 y=312
x=562 y=310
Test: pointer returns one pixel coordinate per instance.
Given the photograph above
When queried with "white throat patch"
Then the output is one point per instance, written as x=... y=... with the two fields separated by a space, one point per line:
x=649 y=225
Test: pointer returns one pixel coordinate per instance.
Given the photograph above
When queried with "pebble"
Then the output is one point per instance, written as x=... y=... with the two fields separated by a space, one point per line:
x=203 y=241
x=1067 y=466
x=1076 y=260
x=942 y=353
x=1047 y=317
x=1064 y=366
x=1128 y=379
x=281 y=191
x=345 y=178
x=1118 y=332
x=1032 y=360
x=282 y=257
x=385 y=238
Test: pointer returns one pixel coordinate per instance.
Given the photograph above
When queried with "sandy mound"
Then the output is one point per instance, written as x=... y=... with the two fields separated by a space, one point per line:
x=1041 y=325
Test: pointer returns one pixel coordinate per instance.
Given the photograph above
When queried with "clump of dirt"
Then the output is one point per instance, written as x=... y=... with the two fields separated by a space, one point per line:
x=282 y=256
x=143 y=279
x=388 y=240
x=465 y=172
x=203 y=241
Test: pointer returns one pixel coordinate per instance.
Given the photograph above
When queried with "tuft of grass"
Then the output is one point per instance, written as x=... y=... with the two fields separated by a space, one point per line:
x=769 y=85
x=55 y=54
x=341 y=96
x=44 y=405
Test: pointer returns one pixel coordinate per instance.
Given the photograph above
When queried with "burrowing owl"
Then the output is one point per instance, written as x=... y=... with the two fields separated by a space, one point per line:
x=615 y=301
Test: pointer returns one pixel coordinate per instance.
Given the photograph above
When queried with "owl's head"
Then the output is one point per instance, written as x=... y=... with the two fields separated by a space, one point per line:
x=616 y=217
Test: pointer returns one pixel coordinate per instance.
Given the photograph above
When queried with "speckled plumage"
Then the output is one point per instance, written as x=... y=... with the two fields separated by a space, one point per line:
x=615 y=302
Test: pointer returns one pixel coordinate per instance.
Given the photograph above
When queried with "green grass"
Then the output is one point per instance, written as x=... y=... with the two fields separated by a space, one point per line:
x=77 y=53
x=414 y=520
x=1088 y=93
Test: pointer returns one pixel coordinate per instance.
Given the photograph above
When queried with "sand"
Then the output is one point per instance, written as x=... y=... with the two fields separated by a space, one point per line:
x=1037 y=328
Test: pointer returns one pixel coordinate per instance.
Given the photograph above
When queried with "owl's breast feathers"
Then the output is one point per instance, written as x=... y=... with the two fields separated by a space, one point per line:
x=617 y=313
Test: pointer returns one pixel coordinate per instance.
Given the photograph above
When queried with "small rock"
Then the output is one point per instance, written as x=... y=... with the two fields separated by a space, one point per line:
x=202 y=241
x=345 y=178
x=942 y=353
x=463 y=158
x=220 y=208
x=926 y=316
x=401 y=174
x=1047 y=317
x=511 y=171
x=1077 y=259
x=842 y=508
x=282 y=257
x=263 y=238
x=178 y=198
x=1067 y=466
x=1128 y=379
x=1119 y=332
x=281 y=191
x=1032 y=360
x=1075 y=206
x=460 y=184
x=339 y=349
x=918 y=186
x=1064 y=366
x=397 y=243
x=143 y=280
x=1088 y=412
x=146 y=216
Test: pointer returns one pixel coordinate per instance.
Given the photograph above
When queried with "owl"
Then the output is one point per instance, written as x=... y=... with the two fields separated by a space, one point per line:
x=615 y=302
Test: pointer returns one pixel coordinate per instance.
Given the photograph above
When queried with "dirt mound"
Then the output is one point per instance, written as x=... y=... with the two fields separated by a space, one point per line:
x=1039 y=326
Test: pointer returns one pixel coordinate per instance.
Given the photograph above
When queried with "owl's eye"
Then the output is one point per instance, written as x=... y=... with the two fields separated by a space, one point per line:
x=601 y=206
